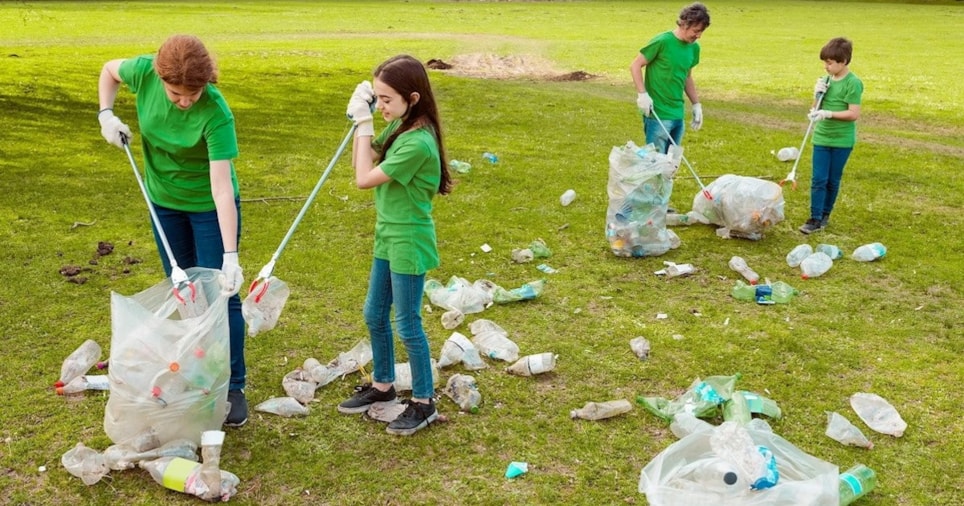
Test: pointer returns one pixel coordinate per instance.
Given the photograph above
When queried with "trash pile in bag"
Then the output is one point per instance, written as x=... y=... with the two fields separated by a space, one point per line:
x=639 y=188
x=168 y=381
x=745 y=207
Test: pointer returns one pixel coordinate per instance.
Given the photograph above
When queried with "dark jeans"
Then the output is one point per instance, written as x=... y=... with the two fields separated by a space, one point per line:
x=195 y=240
x=828 y=166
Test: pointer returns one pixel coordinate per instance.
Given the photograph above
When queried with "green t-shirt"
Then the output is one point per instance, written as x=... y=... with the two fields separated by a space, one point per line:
x=669 y=61
x=404 y=228
x=179 y=145
x=835 y=133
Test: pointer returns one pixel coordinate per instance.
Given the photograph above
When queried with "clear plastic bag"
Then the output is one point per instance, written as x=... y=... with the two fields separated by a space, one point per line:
x=745 y=206
x=168 y=376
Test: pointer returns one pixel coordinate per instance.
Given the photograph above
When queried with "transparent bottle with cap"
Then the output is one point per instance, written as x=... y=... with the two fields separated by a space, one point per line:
x=869 y=252
x=798 y=253
x=464 y=391
x=86 y=382
x=491 y=157
x=815 y=265
x=739 y=265
x=79 y=362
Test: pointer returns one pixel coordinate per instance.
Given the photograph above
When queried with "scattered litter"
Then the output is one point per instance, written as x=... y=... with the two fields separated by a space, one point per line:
x=516 y=469
x=531 y=365
x=457 y=348
x=464 y=391
x=661 y=316
x=878 y=414
x=640 y=346
x=546 y=269
x=601 y=410
x=840 y=429
x=485 y=248
x=493 y=341
x=386 y=411
x=566 y=198
x=452 y=319
x=869 y=252
x=282 y=406
x=745 y=207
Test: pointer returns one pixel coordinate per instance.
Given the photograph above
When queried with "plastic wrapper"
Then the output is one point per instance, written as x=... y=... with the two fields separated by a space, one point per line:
x=745 y=206
x=690 y=472
x=168 y=376
x=639 y=188
x=878 y=414
x=282 y=406
x=702 y=399
x=841 y=430
x=262 y=308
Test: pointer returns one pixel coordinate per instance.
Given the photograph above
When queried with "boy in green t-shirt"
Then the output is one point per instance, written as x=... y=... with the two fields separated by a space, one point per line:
x=669 y=59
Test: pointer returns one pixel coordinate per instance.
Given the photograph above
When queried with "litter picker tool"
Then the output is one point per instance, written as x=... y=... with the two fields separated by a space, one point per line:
x=185 y=292
x=706 y=193
x=792 y=176
x=260 y=309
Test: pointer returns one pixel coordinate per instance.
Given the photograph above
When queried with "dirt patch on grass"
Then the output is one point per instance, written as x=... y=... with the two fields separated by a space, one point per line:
x=492 y=66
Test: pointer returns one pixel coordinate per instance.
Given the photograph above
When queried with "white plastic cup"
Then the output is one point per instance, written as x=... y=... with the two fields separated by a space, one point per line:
x=567 y=197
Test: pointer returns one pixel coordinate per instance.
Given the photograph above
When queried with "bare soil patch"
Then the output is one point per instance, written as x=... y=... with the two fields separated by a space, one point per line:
x=491 y=66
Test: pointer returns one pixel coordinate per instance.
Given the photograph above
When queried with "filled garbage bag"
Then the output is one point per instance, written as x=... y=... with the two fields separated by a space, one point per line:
x=746 y=206
x=168 y=376
x=639 y=187
x=692 y=471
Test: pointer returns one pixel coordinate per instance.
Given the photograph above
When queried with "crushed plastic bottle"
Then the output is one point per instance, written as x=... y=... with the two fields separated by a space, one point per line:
x=855 y=483
x=878 y=414
x=493 y=341
x=464 y=391
x=736 y=409
x=798 y=253
x=457 y=348
x=841 y=430
x=210 y=472
x=738 y=264
x=79 y=362
x=531 y=365
x=320 y=374
x=869 y=252
x=832 y=251
x=781 y=292
x=756 y=464
x=86 y=382
x=522 y=255
x=601 y=410
x=640 y=346
x=85 y=463
x=539 y=249
x=282 y=406
x=815 y=265
x=460 y=166
x=788 y=154
x=491 y=157
x=298 y=384
x=452 y=319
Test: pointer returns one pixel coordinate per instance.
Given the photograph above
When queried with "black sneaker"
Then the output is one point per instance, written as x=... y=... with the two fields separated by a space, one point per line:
x=238 y=414
x=811 y=226
x=365 y=396
x=416 y=417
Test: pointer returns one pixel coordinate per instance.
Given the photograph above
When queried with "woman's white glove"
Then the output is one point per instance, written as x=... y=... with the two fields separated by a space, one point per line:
x=697 y=117
x=231 y=277
x=111 y=127
x=359 y=109
x=645 y=103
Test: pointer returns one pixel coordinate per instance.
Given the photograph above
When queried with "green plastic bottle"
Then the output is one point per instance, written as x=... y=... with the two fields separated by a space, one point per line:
x=743 y=291
x=855 y=483
x=782 y=292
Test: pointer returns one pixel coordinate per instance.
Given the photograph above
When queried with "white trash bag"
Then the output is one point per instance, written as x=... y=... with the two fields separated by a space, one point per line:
x=745 y=206
x=168 y=376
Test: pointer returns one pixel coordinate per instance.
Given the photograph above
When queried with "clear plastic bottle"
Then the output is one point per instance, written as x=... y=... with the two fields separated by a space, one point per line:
x=736 y=409
x=539 y=249
x=815 y=265
x=869 y=252
x=878 y=414
x=855 y=483
x=460 y=166
x=491 y=157
x=87 y=382
x=567 y=197
x=464 y=391
x=788 y=154
x=210 y=472
x=282 y=406
x=601 y=410
x=640 y=346
x=79 y=362
x=738 y=264
x=183 y=475
x=492 y=341
x=530 y=365
x=832 y=251
x=841 y=430
x=798 y=253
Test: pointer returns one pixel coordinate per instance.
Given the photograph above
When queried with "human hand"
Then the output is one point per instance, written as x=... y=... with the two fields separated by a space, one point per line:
x=111 y=127
x=817 y=115
x=360 y=104
x=231 y=277
x=697 y=117
x=645 y=103
x=821 y=87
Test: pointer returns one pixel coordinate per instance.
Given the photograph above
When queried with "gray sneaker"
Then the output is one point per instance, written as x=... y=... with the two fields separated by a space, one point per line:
x=825 y=221
x=416 y=417
x=238 y=414
x=811 y=226
x=365 y=395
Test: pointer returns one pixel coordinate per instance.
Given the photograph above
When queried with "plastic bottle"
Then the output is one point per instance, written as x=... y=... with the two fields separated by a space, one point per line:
x=787 y=154
x=210 y=472
x=490 y=157
x=743 y=291
x=320 y=374
x=640 y=347
x=601 y=410
x=567 y=197
x=832 y=251
x=738 y=264
x=684 y=424
x=781 y=292
x=457 y=348
x=878 y=414
x=539 y=249
x=79 y=362
x=460 y=166
x=452 y=319
x=282 y=406
x=736 y=409
x=676 y=270
x=714 y=474
x=463 y=390
x=492 y=341
x=815 y=265
x=840 y=429
x=761 y=405
x=530 y=365
x=798 y=253
x=855 y=483
x=81 y=383
x=183 y=475
x=869 y=252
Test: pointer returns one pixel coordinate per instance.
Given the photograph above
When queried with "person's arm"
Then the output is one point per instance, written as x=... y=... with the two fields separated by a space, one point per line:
x=223 y=193
x=689 y=87
x=111 y=127
x=851 y=114
x=636 y=70
x=367 y=174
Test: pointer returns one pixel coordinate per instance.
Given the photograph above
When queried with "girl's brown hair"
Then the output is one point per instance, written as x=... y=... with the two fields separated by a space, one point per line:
x=184 y=61
x=406 y=75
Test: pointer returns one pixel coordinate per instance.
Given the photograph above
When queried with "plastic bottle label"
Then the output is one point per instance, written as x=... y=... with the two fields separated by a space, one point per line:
x=853 y=483
x=177 y=472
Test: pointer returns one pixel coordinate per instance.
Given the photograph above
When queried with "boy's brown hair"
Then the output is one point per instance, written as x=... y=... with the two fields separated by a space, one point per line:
x=838 y=49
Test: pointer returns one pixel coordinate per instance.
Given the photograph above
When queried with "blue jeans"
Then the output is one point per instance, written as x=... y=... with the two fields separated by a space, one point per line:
x=405 y=291
x=656 y=134
x=195 y=240
x=828 y=166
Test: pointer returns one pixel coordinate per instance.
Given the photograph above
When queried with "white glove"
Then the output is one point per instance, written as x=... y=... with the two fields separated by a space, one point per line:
x=645 y=103
x=231 y=277
x=359 y=109
x=819 y=115
x=111 y=127
x=697 y=117
x=821 y=86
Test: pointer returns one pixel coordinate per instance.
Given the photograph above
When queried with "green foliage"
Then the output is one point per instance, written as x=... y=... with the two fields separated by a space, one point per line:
x=287 y=68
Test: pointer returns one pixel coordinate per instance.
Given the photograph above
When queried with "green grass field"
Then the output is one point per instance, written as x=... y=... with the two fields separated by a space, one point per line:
x=891 y=327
